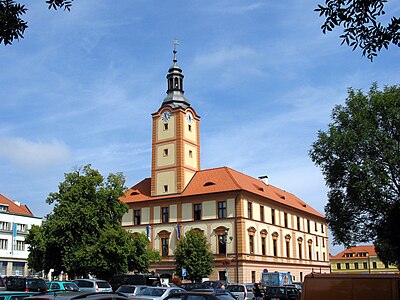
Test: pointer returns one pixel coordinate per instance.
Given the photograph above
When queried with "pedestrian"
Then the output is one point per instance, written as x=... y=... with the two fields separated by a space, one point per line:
x=257 y=292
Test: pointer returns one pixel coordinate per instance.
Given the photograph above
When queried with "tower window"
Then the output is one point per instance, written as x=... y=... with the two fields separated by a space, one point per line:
x=165 y=214
x=165 y=188
x=165 y=152
x=190 y=127
x=165 y=126
x=190 y=153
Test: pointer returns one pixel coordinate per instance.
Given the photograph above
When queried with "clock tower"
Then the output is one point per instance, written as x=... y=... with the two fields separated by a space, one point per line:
x=175 y=138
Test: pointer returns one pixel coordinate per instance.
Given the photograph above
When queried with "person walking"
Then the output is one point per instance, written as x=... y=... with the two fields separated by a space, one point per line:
x=257 y=292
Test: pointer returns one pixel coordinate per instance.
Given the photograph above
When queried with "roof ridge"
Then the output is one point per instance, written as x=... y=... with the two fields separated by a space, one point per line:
x=227 y=169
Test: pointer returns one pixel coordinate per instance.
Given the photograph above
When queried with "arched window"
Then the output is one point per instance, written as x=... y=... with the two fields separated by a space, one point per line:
x=275 y=236
x=263 y=234
x=287 y=243
x=251 y=232
x=164 y=237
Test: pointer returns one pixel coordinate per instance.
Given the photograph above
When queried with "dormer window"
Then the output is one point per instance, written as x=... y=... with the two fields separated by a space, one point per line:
x=208 y=183
x=3 y=207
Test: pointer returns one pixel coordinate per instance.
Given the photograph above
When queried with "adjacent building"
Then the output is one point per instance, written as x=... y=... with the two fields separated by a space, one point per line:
x=250 y=224
x=360 y=260
x=15 y=221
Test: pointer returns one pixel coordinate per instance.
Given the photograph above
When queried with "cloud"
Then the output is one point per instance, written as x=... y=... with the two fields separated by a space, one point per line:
x=33 y=155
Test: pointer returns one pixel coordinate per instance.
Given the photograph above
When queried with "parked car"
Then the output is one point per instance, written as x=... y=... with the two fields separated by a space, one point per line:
x=11 y=295
x=130 y=290
x=244 y=291
x=201 y=295
x=282 y=292
x=63 y=286
x=134 y=279
x=157 y=293
x=2 y=284
x=26 y=284
x=79 y=295
x=216 y=284
x=93 y=285
x=194 y=286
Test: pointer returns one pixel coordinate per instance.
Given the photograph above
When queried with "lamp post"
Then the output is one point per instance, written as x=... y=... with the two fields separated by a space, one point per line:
x=223 y=239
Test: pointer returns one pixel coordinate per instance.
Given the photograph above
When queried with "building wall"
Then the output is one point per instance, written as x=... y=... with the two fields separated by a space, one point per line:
x=361 y=265
x=243 y=261
x=13 y=250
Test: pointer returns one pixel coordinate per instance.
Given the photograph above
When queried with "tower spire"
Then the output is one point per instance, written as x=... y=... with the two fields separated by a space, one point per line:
x=175 y=77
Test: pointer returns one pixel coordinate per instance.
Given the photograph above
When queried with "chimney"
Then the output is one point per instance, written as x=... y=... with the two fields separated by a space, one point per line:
x=264 y=179
x=17 y=202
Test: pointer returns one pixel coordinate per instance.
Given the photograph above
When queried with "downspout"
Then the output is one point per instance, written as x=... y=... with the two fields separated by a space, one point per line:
x=236 y=238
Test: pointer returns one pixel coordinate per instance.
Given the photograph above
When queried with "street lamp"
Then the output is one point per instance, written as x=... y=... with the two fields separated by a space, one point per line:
x=223 y=239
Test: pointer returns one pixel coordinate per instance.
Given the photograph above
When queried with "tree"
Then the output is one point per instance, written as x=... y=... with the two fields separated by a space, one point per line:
x=12 y=27
x=362 y=29
x=193 y=253
x=359 y=156
x=83 y=235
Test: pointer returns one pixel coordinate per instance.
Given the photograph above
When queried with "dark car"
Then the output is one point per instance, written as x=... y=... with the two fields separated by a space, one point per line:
x=282 y=292
x=25 y=284
x=79 y=295
x=203 y=295
x=195 y=286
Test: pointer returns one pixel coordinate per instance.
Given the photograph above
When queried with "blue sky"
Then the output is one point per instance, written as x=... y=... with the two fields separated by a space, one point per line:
x=81 y=86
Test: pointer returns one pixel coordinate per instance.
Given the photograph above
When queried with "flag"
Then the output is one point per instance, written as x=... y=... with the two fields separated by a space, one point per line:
x=178 y=230
x=148 y=232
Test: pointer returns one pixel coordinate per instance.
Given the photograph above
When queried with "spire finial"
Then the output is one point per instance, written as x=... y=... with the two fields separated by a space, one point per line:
x=175 y=42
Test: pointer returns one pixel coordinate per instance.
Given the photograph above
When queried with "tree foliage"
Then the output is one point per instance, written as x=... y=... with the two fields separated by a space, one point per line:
x=359 y=156
x=12 y=26
x=360 y=20
x=83 y=235
x=193 y=253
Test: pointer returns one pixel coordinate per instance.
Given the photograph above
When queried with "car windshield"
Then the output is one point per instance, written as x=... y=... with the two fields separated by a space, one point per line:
x=152 y=292
x=276 y=291
x=126 y=289
x=36 y=283
x=70 y=286
x=103 y=284
x=235 y=288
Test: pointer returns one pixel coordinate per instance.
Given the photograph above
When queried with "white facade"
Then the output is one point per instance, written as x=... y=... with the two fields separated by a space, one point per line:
x=13 y=250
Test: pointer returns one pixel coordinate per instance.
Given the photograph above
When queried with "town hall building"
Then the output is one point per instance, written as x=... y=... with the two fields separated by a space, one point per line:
x=250 y=224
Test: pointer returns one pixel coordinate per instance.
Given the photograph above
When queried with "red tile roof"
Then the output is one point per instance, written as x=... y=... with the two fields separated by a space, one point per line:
x=219 y=180
x=14 y=208
x=370 y=249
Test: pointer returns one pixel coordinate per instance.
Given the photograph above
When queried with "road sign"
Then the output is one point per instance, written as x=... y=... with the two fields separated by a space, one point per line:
x=183 y=272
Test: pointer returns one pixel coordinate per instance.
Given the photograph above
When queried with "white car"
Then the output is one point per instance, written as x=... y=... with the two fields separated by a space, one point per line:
x=157 y=293
x=93 y=285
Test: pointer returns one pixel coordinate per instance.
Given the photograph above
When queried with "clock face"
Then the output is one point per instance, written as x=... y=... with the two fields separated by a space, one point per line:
x=165 y=116
x=189 y=118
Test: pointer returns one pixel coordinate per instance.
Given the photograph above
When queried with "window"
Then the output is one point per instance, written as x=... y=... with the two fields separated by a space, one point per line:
x=136 y=219
x=190 y=127
x=197 y=212
x=165 y=152
x=273 y=216
x=165 y=246
x=308 y=226
x=261 y=213
x=298 y=222
x=338 y=266
x=365 y=265
x=316 y=241
x=300 y=251
x=356 y=265
x=285 y=219
x=275 y=247
x=21 y=227
x=251 y=243
x=222 y=243
x=249 y=210
x=322 y=228
x=5 y=226
x=323 y=256
x=166 y=126
x=323 y=242
x=347 y=266
x=310 y=252
x=374 y=265
x=317 y=254
x=190 y=153
x=165 y=188
x=253 y=276
x=4 y=207
x=263 y=245
x=165 y=215
x=3 y=244
x=316 y=226
x=287 y=248
x=20 y=246
x=221 y=209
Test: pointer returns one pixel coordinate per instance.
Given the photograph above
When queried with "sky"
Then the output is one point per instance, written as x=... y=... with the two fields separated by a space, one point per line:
x=80 y=88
